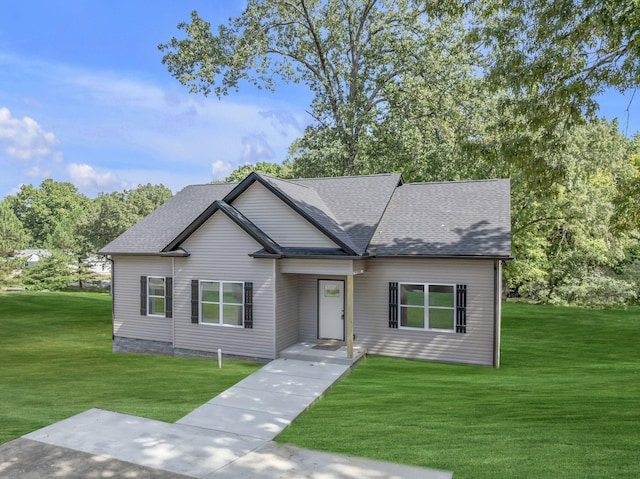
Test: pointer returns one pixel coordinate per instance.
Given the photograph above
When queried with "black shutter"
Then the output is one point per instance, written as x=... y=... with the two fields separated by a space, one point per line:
x=195 y=303
x=143 y=295
x=393 y=305
x=461 y=308
x=168 y=297
x=248 y=305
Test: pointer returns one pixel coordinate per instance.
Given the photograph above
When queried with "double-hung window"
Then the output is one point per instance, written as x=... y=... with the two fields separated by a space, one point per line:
x=222 y=302
x=427 y=306
x=156 y=296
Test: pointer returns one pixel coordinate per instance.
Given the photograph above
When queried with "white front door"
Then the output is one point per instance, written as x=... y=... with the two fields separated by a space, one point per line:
x=331 y=309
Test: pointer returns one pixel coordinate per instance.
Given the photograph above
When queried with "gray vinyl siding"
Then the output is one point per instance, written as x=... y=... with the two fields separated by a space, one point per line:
x=219 y=251
x=371 y=317
x=287 y=324
x=278 y=220
x=322 y=266
x=127 y=321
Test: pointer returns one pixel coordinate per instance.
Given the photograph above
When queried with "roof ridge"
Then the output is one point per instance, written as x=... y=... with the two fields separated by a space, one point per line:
x=346 y=176
x=418 y=183
x=283 y=180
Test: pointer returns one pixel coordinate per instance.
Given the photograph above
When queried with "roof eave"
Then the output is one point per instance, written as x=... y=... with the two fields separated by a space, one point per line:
x=234 y=215
x=445 y=256
x=179 y=253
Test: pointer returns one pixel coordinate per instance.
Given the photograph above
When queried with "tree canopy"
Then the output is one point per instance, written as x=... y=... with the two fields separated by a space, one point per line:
x=354 y=57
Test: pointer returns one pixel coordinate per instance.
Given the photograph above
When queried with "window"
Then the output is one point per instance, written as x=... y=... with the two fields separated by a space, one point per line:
x=427 y=306
x=156 y=296
x=222 y=302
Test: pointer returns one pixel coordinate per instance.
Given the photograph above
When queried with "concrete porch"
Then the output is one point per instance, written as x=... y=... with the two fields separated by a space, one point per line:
x=318 y=352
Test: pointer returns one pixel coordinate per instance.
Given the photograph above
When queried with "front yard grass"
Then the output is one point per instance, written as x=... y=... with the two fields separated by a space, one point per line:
x=564 y=404
x=56 y=361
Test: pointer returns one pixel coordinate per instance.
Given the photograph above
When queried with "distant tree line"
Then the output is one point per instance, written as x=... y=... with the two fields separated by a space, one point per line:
x=70 y=226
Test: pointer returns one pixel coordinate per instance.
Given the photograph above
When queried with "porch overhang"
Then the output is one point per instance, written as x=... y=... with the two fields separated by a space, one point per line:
x=340 y=267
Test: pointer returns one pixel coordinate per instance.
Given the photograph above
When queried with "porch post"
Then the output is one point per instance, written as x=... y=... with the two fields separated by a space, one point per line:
x=349 y=316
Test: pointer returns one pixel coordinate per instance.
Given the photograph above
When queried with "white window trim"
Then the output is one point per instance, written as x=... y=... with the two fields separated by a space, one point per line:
x=200 y=302
x=164 y=296
x=426 y=307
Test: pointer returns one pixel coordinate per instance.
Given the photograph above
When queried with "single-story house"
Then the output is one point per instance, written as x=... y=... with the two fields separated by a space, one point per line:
x=408 y=270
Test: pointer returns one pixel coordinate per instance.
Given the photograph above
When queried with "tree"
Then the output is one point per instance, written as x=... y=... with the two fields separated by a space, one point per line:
x=271 y=169
x=13 y=237
x=566 y=242
x=41 y=209
x=50 y=273
x=352 y=55
x=111 y=214
x=555 y=57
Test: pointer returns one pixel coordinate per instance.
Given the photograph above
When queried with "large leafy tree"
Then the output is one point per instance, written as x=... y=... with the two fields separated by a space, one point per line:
x=111 y=214
x=555 y=56
x=41 y=209
x=354 y=57
x=568 y=240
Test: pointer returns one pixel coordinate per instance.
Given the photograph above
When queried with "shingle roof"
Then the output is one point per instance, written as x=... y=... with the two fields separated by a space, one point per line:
x=151 y=234
x=356 y=201
x=466 y=218
x=363 y=214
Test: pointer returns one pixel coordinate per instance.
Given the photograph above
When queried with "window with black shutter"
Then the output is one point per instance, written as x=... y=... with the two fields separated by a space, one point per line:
x=222 y=303
x=428 y=306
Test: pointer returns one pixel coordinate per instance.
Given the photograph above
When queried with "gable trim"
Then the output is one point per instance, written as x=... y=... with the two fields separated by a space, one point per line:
x=234 y=215
x=253 y=177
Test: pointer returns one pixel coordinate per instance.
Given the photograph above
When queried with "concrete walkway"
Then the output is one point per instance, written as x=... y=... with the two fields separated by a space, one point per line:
x=230 y=436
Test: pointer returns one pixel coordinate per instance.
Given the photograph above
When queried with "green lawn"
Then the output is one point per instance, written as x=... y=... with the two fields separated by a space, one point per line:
x=564 y=404
x=56 y=361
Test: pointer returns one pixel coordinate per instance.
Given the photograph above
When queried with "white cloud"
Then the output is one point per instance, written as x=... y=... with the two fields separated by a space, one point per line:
x=255 y=148
x=24 y=139
x=220 y=168
x=36 y=172
x=85 y=176
x=284 y=122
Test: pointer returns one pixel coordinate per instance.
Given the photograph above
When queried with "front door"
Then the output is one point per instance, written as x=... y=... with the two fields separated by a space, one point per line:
x=331 y=309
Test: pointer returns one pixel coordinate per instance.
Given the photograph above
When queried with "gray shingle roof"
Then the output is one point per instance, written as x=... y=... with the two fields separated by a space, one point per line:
x=356 y=201
x=151 y=234
x=466 y=218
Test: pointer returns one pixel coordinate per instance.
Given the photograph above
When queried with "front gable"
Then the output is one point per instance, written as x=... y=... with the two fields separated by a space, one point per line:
x=278 y=220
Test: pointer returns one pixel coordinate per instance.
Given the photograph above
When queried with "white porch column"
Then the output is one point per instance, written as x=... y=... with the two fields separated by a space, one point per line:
x=349 y=316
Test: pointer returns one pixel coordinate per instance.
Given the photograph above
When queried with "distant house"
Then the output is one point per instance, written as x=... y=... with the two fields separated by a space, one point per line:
x=32 y=256
x=98 y=264
x=414 y=270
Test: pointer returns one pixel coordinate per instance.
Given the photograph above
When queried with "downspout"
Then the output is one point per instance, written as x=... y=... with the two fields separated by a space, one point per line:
x=275 y=310
x=173 y=306
x=497 y=310
x=113 y=301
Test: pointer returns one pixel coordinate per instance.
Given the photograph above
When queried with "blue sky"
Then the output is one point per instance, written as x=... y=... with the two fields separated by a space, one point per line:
x=84 y=98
